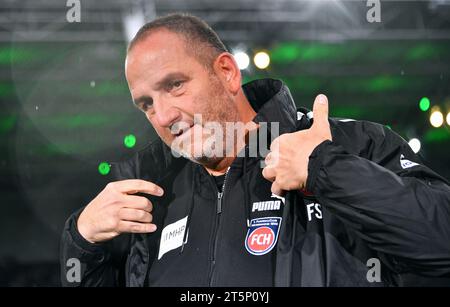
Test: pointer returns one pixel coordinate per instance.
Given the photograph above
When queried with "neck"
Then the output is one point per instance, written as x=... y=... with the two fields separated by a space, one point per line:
x=246 y=115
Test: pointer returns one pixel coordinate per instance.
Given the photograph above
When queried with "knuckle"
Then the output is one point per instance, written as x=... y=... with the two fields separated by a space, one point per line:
x=119 y=213
x=139 y=184
x=273 y=145
x=115 y=201
x=264 y=171
x=111 y=223
x=123 y=227
x=155 y=188
x=135 y=228
x=142 y=215
x=111 y=185
x=147 y=205
x=275 y=142
x=285 y=140
x=145 y=185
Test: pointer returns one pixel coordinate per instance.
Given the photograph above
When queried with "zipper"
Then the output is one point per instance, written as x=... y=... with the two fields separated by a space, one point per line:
x=220 y=195
x=219 y=201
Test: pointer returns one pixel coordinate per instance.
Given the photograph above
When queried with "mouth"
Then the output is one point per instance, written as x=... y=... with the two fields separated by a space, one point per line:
x=182 y=131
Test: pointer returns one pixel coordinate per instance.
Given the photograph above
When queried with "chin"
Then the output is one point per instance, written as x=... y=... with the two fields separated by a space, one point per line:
x=209 y=162
x=200 y=155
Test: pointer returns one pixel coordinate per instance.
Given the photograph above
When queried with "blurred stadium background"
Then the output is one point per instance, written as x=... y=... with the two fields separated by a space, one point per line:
x=65 y=106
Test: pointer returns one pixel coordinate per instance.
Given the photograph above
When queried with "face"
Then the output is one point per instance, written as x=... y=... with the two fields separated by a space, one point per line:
x=175 y=90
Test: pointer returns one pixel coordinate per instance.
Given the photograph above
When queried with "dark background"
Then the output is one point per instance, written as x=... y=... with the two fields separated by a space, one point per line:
x=65 y=105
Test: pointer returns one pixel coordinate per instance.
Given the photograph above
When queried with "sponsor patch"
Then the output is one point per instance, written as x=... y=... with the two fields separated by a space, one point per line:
x=172 y=236
x=262 y=235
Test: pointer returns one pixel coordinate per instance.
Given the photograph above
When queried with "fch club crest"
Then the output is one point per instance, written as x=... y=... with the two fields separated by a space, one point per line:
x=262 y=235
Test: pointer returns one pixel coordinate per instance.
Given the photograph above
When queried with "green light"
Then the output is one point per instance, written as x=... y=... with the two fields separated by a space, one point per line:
x=285 y=53
x=6 y=89
x=384 y=83
x=17 y=55
x=348 y=111
x=104 y=168
x=424 y=104
x=422 y=52
x=129 y=141
x=437 y=135
x=7 y=123
x=387 y=126
x=104 y=89
x=78 y=121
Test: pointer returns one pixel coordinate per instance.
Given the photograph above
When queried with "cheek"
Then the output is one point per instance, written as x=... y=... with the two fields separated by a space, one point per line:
x=191 y=104
x=206 y=105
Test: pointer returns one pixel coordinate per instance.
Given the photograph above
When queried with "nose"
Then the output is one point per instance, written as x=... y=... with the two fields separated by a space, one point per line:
x=166 y=115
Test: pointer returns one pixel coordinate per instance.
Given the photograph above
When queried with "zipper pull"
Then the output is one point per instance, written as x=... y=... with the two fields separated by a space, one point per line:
x=219 y=202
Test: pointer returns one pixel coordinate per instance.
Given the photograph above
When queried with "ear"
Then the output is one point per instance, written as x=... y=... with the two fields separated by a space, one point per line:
x=226 y=68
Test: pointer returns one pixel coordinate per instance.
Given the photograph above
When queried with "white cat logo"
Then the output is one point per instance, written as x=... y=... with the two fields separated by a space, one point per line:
x=278 y=197
x=406 y=163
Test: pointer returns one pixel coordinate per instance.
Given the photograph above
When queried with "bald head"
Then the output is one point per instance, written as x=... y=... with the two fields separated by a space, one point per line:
x=200 y=41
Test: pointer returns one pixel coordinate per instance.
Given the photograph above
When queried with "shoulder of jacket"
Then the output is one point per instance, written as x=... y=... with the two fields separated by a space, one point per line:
x=375 y=131
x=347 y=126
x=360 y=128
x=359 y=136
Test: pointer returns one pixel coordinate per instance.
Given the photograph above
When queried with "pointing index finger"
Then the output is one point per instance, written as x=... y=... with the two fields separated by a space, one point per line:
x=133 y=186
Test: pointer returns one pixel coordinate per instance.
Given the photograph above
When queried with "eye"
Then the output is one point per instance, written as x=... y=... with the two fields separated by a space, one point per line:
x=147 y=106
x=144 y=106
x=175 y=85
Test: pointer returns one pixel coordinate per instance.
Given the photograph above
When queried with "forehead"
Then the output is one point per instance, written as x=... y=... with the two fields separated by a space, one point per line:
x=159 y=50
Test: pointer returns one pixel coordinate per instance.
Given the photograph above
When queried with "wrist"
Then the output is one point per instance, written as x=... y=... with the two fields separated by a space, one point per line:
x=83 y=230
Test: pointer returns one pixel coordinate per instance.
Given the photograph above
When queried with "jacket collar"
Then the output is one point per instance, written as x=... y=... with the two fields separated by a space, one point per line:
x=273 y=102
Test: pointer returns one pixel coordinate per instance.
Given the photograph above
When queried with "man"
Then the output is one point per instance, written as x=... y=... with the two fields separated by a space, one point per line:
x=338 y=203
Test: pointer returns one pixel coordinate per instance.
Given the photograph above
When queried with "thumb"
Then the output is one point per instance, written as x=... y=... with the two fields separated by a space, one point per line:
x=320 y=110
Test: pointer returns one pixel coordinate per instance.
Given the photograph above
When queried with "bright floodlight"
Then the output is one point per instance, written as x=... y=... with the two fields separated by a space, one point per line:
x=132 y=23
x=415 y=145
x=436 y=119
x=447 y=118
x=262 y=60
x=242 y=60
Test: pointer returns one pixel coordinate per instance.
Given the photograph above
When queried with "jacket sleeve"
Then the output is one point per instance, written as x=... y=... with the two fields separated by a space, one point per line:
x=92 y=265
x=384 y=193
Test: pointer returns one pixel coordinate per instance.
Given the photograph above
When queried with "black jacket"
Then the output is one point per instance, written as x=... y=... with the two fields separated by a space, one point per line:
x=376 y=217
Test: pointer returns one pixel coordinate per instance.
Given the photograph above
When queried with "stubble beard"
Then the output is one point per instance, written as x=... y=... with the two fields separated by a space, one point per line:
x=218 y=107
